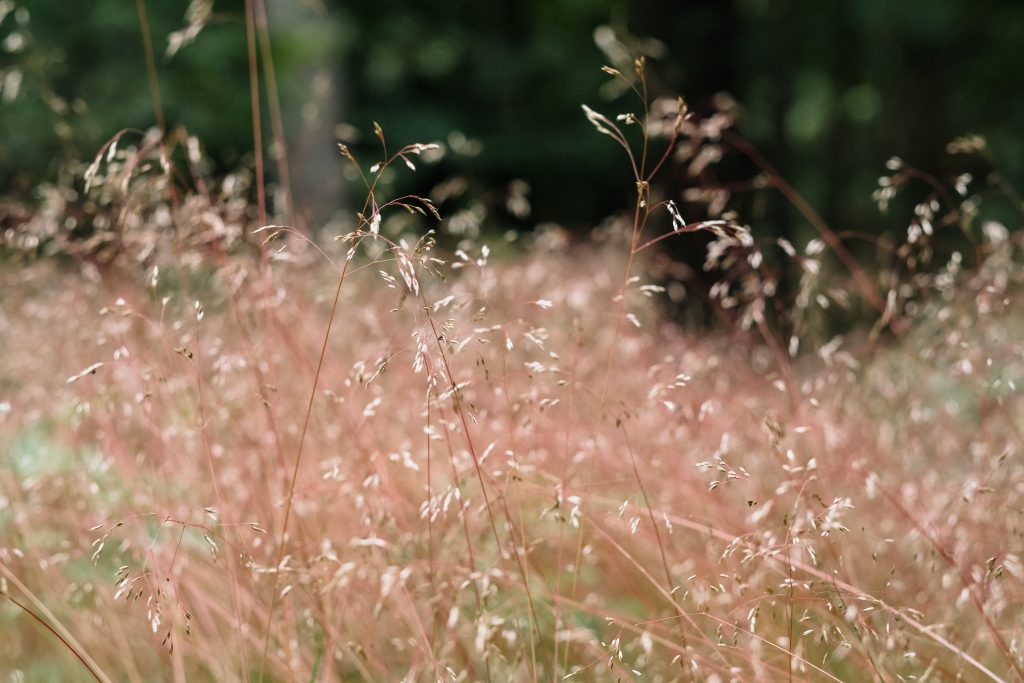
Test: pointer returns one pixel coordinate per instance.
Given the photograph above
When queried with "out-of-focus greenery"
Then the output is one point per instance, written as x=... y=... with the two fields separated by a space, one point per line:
x=828 y=91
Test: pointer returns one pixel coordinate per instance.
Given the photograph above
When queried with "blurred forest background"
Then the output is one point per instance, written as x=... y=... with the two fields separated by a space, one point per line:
x=828 y=91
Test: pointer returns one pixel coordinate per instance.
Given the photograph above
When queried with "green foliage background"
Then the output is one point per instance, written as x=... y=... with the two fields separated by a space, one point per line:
x=829 y=90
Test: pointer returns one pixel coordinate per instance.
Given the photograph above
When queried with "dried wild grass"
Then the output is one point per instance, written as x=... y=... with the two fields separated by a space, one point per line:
x=374 y=459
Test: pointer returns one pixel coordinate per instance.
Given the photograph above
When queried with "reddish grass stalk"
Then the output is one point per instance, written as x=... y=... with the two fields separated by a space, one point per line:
x=276 y=121
x=566 y=456
x=627 y=624
x=867 y=287
x=58 y=636
x=254 y=101
x=947 y=556
x=221 y=509
x=295 y=469
x=664 y=592
x=657 y=531
x=57 y=628
x=430 y=505
x=428 y=647
x=927 y=631
x=520 y=560
x=154 y=84
x=519 y=509
x=463 y=508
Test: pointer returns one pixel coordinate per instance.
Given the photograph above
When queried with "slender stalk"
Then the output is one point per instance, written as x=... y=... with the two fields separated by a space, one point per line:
x=254 y=102
x=276 y=120
x=221 y=507
x=657 y=531
x=53 y=624
x=867 y=287
x=27 y=610
x=154 y=84
x=295 y=471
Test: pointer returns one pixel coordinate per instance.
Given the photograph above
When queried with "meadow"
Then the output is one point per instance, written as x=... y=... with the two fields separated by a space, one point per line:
x=412 y=449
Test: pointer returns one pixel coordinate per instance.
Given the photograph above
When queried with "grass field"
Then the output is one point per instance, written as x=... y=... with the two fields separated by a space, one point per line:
x=230 y=453
x=499 y=479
